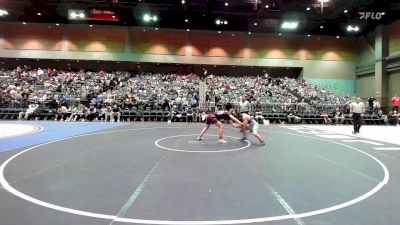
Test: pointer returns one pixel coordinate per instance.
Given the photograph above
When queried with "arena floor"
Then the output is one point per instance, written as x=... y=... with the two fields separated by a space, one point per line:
x=156 y=173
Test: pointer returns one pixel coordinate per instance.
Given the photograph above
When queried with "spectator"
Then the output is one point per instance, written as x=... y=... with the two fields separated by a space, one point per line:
x=30 y=111
x=326 y=118
x=371 y=104
x=102 y=116
x=290 y=116
x=166 y=105
x=395 y=103
x=297 y=118
x=339 y=117
x=189 y=115
x=376 y=106
x=80 y=113
x=259 y=117
x=197 y=98
x=91 y=113
x=394 y=118
x=62 y=113
x=383 y=118
x=115 y=112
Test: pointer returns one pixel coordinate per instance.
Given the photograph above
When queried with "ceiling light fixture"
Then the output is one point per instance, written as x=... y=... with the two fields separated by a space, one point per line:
x=222 y=21
x=351 y=28
x=255 y=23
x=149 y=18
x=39 y=14
x=146 y=17
x=308 y=8
x=3 y=12
x=337 y=37
x=226 y=4
x=74 y=14
x=290 y=25
x=346 y=11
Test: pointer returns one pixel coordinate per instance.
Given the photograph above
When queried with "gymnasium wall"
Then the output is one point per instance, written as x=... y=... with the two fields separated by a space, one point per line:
x=365 y=65
x=393 y=67
x=393 y=83
x=365 y=50
x=366 y=86
x=393 y=74
x=325 y=59
x=394 y=38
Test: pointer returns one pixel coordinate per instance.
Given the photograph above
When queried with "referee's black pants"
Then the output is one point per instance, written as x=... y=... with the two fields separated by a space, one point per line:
x=357 y=121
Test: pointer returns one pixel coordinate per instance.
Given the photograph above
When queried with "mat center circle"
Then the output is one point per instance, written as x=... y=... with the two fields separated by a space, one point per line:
x=209 y=144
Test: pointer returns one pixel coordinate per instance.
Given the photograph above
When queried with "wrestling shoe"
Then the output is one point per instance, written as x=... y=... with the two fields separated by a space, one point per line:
x=262 y=142
x=222 y=141
x=199 y=139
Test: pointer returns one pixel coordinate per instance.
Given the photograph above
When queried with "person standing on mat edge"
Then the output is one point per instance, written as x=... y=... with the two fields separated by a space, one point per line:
x=357 y=108
x=244 y=105
x=212 y=118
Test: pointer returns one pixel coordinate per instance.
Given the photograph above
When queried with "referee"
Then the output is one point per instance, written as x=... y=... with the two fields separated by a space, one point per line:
x=357 y=108
x=244 y=105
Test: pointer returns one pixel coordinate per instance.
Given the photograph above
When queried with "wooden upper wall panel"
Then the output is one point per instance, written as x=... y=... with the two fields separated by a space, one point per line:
x=101 y=40
x=394 y=39
x=178 y=38
x=160 y=43
x=158 y=37
x=333 y=44
x=32 y=38
x=200 y=39
x=217 y=45
x=237 y=41
x=272 y=42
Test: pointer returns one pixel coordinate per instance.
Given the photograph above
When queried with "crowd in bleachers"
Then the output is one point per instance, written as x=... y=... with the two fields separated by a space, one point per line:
x=114 y=96
x=40 y=85
x=280 y=94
